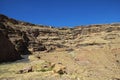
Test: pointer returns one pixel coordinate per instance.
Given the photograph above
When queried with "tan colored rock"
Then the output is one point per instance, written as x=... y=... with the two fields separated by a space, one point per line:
x=59 y=68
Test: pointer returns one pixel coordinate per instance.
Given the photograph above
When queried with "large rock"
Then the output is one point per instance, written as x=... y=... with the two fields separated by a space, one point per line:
x=7 y=49
x=25 y=70
x=60 y=69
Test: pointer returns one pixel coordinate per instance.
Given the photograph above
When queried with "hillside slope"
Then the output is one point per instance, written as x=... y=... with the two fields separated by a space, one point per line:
x=80 y=53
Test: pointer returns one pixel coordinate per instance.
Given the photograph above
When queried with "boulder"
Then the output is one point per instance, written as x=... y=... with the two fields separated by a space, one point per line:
x=7 y=49
x=25 y=70
x=59 y=68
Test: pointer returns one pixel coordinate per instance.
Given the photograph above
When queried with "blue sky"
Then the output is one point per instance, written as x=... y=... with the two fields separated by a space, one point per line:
x=62 y=12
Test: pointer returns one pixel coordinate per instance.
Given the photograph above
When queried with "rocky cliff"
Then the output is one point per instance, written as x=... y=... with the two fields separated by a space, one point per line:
x=47 y=37
x=86 y=52
x=7 y=49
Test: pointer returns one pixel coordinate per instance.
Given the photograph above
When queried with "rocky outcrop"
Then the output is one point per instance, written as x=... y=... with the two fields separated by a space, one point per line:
x=26 y=36
x=21 y=47
x=22 y=44
x=84 y=30
x=7 y=49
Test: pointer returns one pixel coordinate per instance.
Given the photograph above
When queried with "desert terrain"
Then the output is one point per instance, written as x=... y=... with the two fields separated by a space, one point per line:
x=39 y=52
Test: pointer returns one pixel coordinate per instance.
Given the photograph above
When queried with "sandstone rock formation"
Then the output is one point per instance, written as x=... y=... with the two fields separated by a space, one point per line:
x=86 y=52
x=7 y=49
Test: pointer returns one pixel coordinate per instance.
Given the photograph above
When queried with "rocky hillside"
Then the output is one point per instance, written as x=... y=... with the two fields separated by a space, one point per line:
x=81 y=53
x=38 y=36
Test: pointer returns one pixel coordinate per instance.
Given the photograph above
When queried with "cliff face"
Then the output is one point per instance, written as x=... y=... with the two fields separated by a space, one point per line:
x=7 y=49
x=86 y=52
x=36 y=36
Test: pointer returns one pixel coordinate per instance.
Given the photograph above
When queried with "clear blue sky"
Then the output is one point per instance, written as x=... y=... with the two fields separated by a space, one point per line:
x=62 y=12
